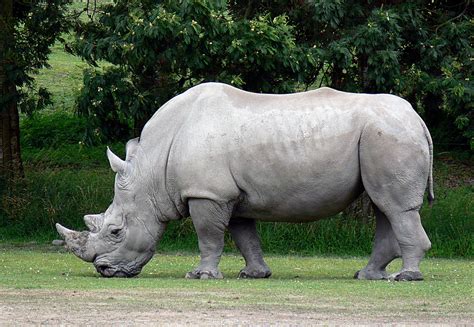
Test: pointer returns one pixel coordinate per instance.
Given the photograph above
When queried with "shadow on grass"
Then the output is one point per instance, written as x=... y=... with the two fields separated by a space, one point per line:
x=228 y=276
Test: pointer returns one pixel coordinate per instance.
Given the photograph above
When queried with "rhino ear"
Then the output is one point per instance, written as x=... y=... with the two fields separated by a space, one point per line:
x=132 y=147
x=94 y=222
x=117 y=164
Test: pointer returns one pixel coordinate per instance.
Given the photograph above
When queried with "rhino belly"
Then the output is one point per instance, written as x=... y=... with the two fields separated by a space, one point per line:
x=303 y=186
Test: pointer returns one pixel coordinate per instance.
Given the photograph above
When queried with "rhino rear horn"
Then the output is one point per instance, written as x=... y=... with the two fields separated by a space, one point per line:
x=94 y=222
x=117 y=164
x=132 y=147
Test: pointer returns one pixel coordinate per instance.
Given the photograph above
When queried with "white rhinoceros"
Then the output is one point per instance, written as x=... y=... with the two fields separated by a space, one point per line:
x=228 y=157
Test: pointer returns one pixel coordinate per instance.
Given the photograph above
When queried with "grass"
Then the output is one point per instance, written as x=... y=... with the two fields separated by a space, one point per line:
x=63 y=79
x=299 y=284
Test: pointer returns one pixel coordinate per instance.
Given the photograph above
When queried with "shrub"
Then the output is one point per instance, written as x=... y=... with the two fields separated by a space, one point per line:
x=52 y=129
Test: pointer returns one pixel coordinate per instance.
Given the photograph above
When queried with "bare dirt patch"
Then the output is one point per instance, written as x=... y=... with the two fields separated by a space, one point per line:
x=137 y=307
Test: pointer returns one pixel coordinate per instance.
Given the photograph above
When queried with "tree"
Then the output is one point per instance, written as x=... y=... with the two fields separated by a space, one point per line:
x=28 y=28
x=10 y=159
x=416 y=49
x=160 y=48
x=420 y=50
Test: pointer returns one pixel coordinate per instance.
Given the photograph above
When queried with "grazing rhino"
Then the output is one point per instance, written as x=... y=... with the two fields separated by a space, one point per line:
x=227 y=157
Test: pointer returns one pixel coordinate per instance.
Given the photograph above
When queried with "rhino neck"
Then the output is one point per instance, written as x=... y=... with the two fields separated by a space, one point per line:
x=156 y=141
x=151 y=189
x=161 y=194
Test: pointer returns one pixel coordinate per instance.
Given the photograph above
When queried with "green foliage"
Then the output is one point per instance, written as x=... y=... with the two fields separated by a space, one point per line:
x=70 y=156
x=416 y=49
x=160 y=49
x=108 y=100
x=52 y=129
x=450 y=224
x=336 y=236
x=420 y=51
x=32 y=30
x=33 y=205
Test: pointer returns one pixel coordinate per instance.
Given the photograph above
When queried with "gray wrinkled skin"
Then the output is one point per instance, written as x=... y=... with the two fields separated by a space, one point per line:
x=228 y=157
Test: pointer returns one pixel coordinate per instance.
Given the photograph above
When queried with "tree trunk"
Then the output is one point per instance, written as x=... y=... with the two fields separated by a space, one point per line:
x=10 y=159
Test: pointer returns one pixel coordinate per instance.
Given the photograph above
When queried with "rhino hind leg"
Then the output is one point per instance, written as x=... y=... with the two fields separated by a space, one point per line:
x=408 y=231
x=386 y=248
x=413 y=244
x=210 y=219
x=244 y=233
x=395 y=169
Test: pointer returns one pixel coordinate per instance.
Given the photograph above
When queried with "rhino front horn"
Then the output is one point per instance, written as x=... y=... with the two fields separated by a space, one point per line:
x=64 y=232
x=76 y=242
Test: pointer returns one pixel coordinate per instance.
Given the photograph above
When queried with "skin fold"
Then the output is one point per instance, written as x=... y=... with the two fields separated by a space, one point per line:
x=227 y=158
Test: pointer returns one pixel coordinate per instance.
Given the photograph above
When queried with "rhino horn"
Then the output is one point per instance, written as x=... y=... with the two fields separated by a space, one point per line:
x=77 y=243
x=117 y=164
x=94 y=222
x=63 y=231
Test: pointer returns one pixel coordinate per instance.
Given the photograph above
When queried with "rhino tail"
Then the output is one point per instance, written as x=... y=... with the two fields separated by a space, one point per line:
x=431 y=196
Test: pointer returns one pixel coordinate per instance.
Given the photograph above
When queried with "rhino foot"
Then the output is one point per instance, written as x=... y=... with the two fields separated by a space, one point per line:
x=247 y=272
x=371 y=274
x=407 y=276
x=204 y=274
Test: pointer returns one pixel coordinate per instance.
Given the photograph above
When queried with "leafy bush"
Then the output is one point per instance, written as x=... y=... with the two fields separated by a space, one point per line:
x=52 y=129
x=420 y=51
x=161 y=49
x=70 y=156
x=33 y=205
x=416 y=49
x=450 y=223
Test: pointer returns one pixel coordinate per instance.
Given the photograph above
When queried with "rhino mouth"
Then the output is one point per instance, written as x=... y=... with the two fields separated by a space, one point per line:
x=108 y=271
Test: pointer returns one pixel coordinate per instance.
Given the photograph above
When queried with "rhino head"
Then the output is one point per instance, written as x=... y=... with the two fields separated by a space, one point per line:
x=121 y=240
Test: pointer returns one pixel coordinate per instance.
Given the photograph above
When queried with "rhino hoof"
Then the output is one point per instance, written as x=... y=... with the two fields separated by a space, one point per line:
x=204 y=274
x=408 y=276
x=191 y=275
x=254 y=274
x=370 y=275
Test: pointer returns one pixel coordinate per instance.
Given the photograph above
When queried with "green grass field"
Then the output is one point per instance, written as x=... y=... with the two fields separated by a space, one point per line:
x=302 y=285
x=63 y=79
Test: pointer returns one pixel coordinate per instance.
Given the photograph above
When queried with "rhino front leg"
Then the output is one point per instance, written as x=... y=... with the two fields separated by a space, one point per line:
x=385 y=249
x=210 y=220
x=244 y=233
